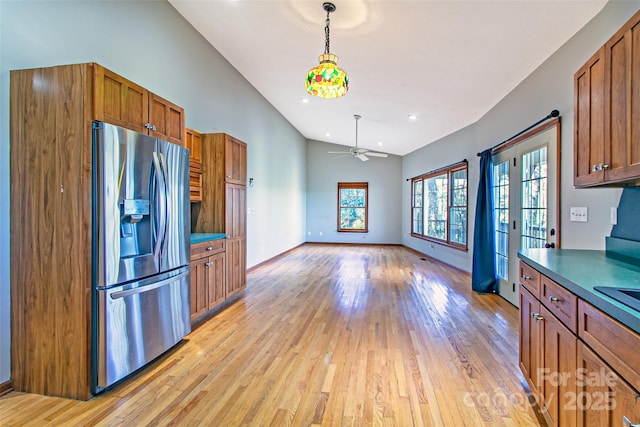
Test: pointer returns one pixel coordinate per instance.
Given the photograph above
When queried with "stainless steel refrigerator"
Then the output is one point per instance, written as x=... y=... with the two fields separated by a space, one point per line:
x=141 y=225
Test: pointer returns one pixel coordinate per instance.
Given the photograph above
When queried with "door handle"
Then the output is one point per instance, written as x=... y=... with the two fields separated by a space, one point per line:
x=147 y=288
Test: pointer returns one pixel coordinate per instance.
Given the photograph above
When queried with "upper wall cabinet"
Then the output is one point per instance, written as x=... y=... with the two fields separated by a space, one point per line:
x=235 y=160
x=124 y=103
x=607 y=112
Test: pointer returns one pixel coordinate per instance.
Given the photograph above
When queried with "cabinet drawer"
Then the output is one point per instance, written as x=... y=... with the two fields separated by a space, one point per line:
x=204 y=249
x=195 y=179
x=615 y=343
x=195 y=167
x=562 y=303
x=530 y=279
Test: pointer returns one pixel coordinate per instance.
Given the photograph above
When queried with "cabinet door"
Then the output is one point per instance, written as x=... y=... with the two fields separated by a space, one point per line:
x=236 y=265
x=199 y=279
x=559 y=371
x=603 y=398
x=193 y=143
x=236 y=211
x=216 y=280
x=531 y=341
x=589 y=115
x=235 y=161
x=166 y=120
x=119 y=101
x=622 y=98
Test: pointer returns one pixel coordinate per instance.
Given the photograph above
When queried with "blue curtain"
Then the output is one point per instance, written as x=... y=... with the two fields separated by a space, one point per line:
x=483 y=274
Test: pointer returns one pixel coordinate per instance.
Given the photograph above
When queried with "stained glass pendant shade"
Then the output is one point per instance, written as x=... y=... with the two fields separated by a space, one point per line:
x=326 y=79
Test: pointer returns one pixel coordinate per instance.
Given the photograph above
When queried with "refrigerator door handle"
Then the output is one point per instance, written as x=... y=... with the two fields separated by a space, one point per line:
x=147 y=288
x=160 y=205
x=165 y=207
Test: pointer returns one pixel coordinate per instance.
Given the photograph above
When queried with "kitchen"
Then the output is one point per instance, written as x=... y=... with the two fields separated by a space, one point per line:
x=233 y=103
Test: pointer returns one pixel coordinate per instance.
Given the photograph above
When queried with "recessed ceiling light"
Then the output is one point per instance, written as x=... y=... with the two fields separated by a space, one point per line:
x=305 y=100
x=413 y=117
x=327 y=134
x=380 y=143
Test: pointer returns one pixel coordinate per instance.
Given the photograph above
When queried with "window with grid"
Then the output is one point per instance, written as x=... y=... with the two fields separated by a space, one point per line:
x=439 y=206
x=353 y=207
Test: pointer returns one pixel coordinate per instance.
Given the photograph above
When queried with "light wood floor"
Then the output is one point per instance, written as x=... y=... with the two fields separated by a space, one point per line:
x=332 y=336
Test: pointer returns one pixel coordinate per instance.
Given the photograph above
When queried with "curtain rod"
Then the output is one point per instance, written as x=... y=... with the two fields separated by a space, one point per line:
x=554 y=113
x=439 y=169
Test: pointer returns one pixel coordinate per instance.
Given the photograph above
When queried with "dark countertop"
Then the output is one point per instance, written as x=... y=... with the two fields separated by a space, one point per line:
x=205 y=237
x=581 y=270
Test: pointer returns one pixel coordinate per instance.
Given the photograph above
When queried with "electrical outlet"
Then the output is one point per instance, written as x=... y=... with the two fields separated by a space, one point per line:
x=579 y=214
x=614 y=216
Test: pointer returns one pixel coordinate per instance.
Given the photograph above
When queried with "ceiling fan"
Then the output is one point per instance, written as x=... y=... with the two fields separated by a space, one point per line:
x=360 y=153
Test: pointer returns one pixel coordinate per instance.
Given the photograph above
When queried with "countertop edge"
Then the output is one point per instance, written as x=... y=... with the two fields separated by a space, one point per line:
x=598 y=301
x=197 y=238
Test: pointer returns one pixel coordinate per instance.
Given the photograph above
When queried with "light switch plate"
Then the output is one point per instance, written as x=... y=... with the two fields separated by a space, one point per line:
x=579 y=214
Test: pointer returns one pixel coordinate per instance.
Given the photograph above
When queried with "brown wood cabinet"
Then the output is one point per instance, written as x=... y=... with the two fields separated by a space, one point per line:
x=603 y=398
x=606 y=116
x=193 y=142
x=581 y=364
x=224 y=202
x=121 y=102
x=52 y=110
x=559 y=349
x=235 y=160
x=530 y=354
x=208 y=265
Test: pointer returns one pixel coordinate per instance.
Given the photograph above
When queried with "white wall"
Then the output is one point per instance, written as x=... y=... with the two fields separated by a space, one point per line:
x=547 y=88
x=324 y=171
x=149 y=43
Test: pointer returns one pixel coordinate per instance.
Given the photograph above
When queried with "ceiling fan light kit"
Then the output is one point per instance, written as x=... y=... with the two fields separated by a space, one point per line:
x=360 y=153
x=327 y=80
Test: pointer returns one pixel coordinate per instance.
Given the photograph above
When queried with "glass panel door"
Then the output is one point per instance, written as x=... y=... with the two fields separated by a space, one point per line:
x=524 y=203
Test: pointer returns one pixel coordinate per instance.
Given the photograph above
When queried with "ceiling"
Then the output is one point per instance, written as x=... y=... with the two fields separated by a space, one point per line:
x=448 y=62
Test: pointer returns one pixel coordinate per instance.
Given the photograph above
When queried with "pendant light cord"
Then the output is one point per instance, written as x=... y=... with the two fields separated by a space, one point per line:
x=326 y=33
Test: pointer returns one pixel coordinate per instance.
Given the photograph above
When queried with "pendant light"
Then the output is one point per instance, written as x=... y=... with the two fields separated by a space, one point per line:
x=326 y=79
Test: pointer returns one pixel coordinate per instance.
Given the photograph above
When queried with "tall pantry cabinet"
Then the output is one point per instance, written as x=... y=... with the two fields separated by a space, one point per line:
x=52 y=110
x=224 y=202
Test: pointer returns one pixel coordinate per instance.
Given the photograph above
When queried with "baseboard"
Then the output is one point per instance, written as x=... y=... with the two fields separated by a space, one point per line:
x=423 y=255
x=5 y=388
x=272 y=259
x=418 y=253
x=353 y=244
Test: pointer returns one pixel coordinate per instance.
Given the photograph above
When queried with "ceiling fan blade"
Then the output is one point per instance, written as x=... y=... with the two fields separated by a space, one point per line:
x=376 y=154
x=362 y=157
x=341 y=155
x=339 y=152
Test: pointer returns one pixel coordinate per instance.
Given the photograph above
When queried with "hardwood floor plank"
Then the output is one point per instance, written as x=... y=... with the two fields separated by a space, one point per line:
x=326 y=336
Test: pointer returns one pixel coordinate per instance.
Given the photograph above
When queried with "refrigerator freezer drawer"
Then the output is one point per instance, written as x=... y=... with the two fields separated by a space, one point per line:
x=138 y=322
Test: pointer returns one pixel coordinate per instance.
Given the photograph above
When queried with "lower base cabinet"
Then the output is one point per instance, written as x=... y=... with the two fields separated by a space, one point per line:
x=603 y=398
x=208 y=265
x=572 y=384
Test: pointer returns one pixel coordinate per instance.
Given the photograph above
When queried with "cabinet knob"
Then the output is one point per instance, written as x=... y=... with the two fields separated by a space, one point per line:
x=228 y=175
x=554 y=299
x=210 y=248
x=209 y=263
x=605 y=166
x=628 y=423
x=537 y=316
x=525 y=277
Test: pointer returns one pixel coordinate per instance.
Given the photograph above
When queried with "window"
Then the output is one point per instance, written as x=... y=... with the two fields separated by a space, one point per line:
x=439 y=206
x=353 y=207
